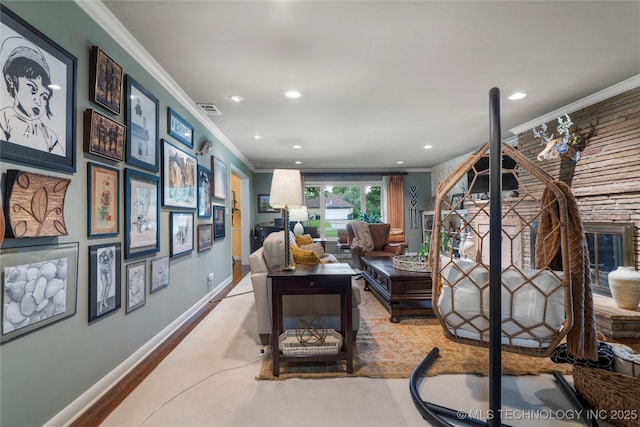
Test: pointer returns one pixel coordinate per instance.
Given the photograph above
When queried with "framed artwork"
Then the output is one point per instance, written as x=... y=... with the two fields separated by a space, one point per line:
x=103 y=200
x=219 y=169
x=142 y=213
x=142 y=112
x=179 y=172
x=181 y=226
x=104 y=280
x=45 y=137
x=159 y=274
x=35 y=205
x=105 y=80
x=179 y=128
x=54 y=269
x=264 y=206
x=455 y=199
x=218 y=223
x=204 y=192
x=103 y=137
x=205 y=237
x=136 y=280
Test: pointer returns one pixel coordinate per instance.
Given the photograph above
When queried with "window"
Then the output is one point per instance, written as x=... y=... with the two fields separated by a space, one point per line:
x=332 y=205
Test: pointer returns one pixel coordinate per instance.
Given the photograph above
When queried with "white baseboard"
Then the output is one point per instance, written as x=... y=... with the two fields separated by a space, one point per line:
x=81 y=404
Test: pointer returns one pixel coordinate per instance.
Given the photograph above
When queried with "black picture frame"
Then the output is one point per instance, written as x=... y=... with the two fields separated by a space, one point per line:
x=105 y=295
x=142 y=121
x=16 y=263
x=142 y=213
x=179 y=128
x=58 y=150
x=160 y=273
x=103 y=200
x=136 y=285
x=105 y=80
x=218 y=222
x=264 y=206
x=455 y=199
x=179 y=177
x=205 y=208
x=181 y=228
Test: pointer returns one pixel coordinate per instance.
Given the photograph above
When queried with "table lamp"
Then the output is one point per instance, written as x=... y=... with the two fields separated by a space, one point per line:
x=298 y=214
x=286 y=192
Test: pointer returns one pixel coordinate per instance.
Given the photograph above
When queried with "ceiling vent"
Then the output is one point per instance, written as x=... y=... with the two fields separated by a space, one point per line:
x=210 y=109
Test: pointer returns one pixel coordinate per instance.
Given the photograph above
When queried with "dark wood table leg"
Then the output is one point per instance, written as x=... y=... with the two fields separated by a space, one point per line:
x=348 y=316
x=276 y=316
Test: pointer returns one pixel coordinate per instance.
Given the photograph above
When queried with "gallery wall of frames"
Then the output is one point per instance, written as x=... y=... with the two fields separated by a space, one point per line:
x=109 y=214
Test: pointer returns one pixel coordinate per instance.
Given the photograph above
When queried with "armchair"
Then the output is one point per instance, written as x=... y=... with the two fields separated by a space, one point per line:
x=379 y=235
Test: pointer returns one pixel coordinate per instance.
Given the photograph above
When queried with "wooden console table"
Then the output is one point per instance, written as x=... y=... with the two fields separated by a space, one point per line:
x=312 y=280
x=402 y=292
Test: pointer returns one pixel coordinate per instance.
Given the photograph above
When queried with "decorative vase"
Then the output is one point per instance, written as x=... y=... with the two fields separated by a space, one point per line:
x=624 y=283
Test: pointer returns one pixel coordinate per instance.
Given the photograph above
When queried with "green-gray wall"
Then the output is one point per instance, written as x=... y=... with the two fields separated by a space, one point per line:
x=43 y=372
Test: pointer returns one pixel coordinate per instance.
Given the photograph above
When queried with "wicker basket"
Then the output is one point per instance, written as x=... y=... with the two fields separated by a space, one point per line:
x=410 y=263
x=290 y=344
x=609 y=392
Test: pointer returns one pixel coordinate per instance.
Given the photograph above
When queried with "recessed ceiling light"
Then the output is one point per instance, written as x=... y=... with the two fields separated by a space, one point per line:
x=257 y=136
x=516 y=95
x=293 y=94
x=236 y=98
x=428 y=147
x=297 y=146
x=54 y=87
x=298 y=162
x=399 y=162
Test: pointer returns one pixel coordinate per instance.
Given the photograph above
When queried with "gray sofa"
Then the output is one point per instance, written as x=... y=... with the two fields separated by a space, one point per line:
x=294 y=306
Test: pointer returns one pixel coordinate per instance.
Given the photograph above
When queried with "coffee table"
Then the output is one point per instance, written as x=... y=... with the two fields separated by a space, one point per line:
x=401 y=292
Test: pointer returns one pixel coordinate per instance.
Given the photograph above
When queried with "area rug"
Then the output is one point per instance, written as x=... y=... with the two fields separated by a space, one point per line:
x=393 y=350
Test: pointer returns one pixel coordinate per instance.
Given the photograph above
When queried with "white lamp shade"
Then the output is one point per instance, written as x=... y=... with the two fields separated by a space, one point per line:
x=286 y=189
x=299 y=214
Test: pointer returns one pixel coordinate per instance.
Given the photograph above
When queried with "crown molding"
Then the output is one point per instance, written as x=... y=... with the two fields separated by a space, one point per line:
x=611 y=91
x=114 y=28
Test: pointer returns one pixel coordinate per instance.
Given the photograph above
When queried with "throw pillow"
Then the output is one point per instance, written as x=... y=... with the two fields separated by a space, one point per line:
x=273 y=249
x=362 y=234
x=314 y=247
x=305 y=239
x=605 y=360
x=302 y=256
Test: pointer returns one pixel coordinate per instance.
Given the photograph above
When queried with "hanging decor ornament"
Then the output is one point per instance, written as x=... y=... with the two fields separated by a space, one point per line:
x=565 y=146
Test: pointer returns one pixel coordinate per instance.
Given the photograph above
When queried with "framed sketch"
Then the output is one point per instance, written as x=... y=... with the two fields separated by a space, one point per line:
x=181 y=226
x=103 y=200
x=103 y=137
x=264 y=206
x=179 y=172
x=179 y=128
x=45 y=137
x=160 y=274
x=136 y=280
x=104 y=280
x=142 y=112
x=219 y=169
x=204 y=192
x=105 y=80
x=205 y=237
x=54 y=269
x=218 y=223
x=142 y=213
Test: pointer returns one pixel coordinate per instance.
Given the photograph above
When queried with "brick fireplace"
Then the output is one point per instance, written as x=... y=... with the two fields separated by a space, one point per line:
x=605 y=183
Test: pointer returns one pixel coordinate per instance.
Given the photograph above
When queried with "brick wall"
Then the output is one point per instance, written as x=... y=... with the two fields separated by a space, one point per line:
x=606 y=180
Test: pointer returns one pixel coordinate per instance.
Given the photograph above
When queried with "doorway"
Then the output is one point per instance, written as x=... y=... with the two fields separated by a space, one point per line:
x=240 y=217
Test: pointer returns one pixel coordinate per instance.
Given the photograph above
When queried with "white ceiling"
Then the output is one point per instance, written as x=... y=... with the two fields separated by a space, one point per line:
x=381 y=79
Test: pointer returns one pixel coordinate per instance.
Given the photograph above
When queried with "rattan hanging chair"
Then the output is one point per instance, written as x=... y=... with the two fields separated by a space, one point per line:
x=536 y=293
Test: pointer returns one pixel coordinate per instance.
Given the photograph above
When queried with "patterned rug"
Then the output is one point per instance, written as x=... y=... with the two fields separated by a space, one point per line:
x=393 y=350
